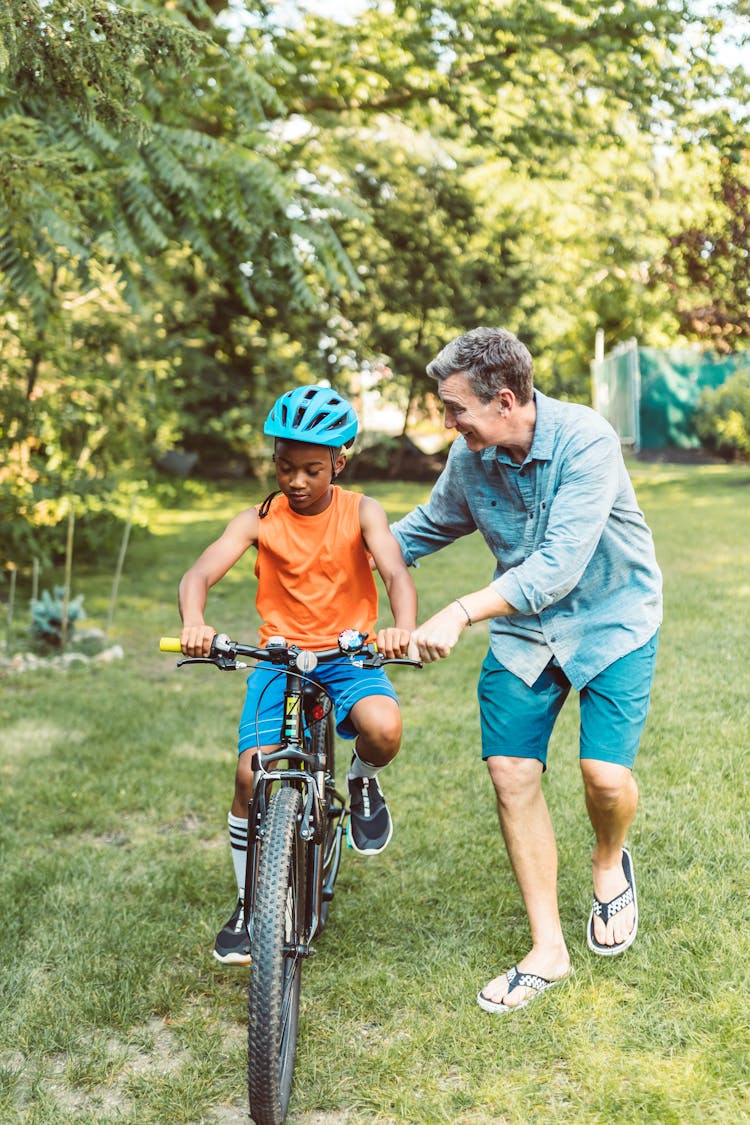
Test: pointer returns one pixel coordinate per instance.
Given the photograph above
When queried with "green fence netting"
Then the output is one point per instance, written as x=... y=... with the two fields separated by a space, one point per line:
x=671 y=383
x=649 y=395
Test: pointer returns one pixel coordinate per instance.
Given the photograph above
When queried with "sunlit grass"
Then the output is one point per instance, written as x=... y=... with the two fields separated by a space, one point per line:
x=115 y=875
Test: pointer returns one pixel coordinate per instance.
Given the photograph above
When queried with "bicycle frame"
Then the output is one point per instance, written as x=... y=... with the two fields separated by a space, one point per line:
x=306 y=770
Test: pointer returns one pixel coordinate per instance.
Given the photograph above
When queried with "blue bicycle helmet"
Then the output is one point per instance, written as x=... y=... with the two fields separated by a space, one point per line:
x=317 y=415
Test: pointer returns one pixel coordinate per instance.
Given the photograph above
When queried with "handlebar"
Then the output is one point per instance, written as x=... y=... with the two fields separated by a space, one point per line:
x=170 y=644
x=224 y=653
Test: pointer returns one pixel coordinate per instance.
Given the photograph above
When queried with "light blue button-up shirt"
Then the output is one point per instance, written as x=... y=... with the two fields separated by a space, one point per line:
x=574 y=554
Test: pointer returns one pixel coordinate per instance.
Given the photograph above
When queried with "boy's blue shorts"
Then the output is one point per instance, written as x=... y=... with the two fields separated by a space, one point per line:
x=517 y=720
x=263 y=711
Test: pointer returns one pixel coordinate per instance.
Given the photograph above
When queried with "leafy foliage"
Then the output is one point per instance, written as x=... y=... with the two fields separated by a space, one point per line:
x=202 y=202
x=135 y=157
x=706 y=264
x=525 y=79
x=561 y=125
x=722 y=419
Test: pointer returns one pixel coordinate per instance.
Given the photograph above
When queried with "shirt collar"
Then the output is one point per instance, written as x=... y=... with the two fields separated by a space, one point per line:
x=543 y=443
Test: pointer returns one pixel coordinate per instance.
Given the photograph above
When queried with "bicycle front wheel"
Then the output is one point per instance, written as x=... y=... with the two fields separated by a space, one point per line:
x=276 y=965
x=324 y=742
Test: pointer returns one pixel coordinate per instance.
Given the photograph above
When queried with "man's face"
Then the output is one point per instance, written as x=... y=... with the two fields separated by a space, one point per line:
x=303 y=473
x=481 y=423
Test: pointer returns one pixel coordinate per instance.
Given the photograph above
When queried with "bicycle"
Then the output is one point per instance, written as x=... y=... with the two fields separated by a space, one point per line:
x=296 y=822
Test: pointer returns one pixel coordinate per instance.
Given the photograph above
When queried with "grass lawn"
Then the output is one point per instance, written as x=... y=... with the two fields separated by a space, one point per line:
x=115 y=873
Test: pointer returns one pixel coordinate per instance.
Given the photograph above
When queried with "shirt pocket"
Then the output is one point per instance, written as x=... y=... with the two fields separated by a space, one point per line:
x=502 y=527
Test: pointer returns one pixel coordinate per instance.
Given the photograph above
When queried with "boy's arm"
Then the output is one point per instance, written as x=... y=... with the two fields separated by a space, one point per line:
x=239 y=534
x=390 y=563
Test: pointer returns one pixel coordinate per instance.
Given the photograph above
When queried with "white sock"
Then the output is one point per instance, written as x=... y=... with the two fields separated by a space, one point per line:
x=358 y=768
x=238 y=840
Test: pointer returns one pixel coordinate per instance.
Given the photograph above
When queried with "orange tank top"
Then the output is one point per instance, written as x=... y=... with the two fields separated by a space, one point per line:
x=314 y=576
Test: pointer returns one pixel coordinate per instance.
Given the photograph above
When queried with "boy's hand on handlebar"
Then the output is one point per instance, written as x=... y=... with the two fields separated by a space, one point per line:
x=393 y=642
x=196 y=639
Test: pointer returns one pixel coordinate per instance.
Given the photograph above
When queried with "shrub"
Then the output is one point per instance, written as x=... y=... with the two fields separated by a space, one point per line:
x=722 y=418
x=47 y=617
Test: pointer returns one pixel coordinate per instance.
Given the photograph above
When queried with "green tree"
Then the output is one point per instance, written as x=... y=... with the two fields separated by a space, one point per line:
x=139 y=143
x=558 y=125
x=529 y=79
x=706 y=264
x=410 y=253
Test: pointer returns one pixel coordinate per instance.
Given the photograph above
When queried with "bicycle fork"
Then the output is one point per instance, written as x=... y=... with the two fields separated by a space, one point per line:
x=309 y=776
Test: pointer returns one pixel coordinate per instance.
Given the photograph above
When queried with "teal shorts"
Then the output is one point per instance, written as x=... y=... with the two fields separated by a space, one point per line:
x=517 y=720
x=263 y=711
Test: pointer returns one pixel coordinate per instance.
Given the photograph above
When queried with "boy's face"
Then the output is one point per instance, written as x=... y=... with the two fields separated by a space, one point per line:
x=303 y=473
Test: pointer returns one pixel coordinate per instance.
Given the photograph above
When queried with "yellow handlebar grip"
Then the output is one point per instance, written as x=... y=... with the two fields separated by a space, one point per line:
x=170 y=644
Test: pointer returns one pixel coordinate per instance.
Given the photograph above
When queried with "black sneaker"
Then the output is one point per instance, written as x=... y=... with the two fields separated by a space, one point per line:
x=370 y=825
x=232 y=945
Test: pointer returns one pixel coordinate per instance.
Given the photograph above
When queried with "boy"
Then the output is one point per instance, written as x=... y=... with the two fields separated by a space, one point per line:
x=313 y=540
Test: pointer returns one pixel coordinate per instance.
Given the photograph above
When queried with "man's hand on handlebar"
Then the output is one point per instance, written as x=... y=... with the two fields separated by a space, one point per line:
x=393 y=642
x=196 y=639
x=436 y=637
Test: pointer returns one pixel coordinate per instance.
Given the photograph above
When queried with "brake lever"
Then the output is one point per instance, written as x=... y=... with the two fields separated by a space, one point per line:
x=377 y=660
x=223 y=663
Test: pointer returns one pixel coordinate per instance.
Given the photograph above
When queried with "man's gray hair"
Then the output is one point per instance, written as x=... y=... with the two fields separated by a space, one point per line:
x=491 y=359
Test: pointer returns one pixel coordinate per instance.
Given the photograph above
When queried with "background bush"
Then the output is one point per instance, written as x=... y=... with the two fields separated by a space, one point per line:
x=722 y=419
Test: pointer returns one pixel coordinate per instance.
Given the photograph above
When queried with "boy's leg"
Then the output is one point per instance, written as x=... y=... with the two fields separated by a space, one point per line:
x=377 y=721
x=232 y=945
x=366 y=709
x=260 y=719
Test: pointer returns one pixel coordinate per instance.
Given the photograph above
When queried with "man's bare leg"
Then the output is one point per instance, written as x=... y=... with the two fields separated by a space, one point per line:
x=611 y=800
x=530 y=843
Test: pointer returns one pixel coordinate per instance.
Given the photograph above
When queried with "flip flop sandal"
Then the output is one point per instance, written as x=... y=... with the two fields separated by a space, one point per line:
x=607 y=910
x=519 y=980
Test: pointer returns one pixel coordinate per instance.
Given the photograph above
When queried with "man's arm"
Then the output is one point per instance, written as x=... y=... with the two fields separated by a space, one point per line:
x=239 y=534
x=579 y=512
x=434 y=638
x=390 y=564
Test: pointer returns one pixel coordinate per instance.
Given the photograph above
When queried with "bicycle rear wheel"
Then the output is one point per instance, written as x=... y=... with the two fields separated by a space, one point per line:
x=276 y=966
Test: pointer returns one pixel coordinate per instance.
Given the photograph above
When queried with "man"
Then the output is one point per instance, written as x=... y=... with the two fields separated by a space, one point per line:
x=575 y=602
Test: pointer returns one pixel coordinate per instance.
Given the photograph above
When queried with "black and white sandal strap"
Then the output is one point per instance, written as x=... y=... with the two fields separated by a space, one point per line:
x=607 y=910
x=526 y=980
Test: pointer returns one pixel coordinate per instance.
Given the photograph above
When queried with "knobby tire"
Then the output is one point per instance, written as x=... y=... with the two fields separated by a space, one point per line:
x=276 y=966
